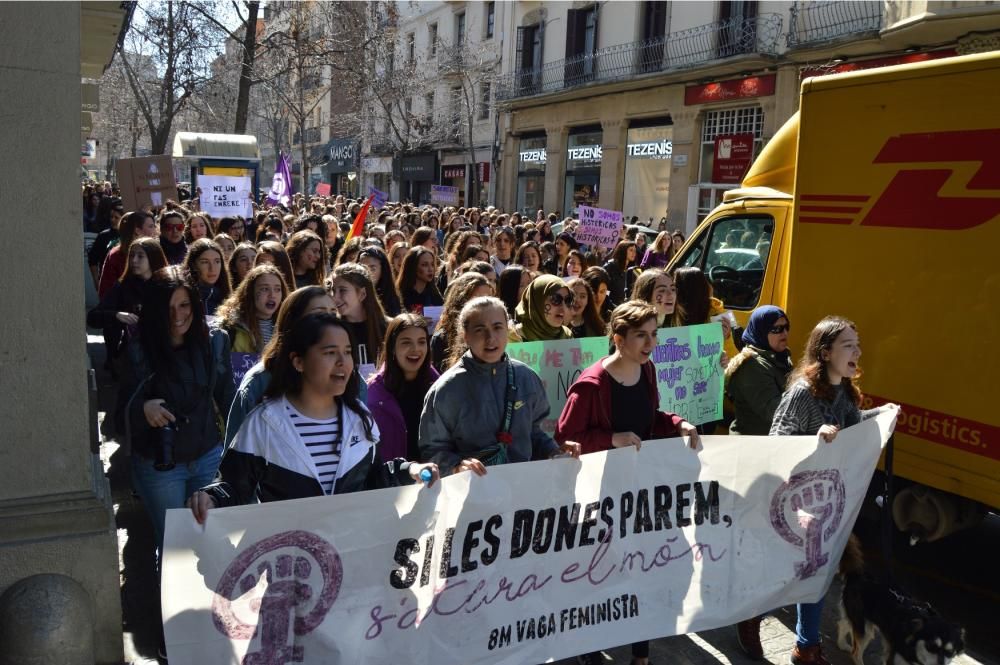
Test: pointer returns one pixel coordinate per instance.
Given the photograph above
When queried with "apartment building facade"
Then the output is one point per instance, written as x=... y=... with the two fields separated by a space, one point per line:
x=435 y=121
x=656 y=108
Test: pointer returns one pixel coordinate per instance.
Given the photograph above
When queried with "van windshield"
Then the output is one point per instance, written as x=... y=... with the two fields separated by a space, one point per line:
x=733 y=254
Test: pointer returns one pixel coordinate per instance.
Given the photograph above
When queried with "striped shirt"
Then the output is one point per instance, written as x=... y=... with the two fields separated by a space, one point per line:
x=266 y=330
x=322 y=439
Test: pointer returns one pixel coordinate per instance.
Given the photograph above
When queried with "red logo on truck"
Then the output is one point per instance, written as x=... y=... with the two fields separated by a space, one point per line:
x=912 y=199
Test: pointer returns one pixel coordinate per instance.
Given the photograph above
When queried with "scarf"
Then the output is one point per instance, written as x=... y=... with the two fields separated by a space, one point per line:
x=531 y=310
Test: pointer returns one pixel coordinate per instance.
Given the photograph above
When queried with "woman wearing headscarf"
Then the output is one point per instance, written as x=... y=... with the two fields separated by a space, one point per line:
x=544 y=311
x=756 y=377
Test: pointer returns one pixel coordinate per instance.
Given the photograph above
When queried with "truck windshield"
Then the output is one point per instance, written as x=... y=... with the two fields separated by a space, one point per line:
x=733 y=254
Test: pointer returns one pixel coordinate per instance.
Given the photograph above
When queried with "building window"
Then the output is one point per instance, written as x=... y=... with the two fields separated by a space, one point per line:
x=491 y=17
x=411 y=47
x=408 y=106
x=432 y=38
x=528 y=59
x=717 y=124
x=456 y=112
x=484 y=101
x=459 y=29
x=429 y=103
x=581 y=43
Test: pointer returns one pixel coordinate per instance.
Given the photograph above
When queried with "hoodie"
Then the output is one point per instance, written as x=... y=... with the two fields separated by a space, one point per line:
x=586 y=417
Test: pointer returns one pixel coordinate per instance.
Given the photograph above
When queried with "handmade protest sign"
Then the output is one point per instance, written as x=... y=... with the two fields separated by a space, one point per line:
x=532 y=561
x=444 y=195
x=241 y=364
x=598 y=227
x=223 y=195
x=687 y=362
x=378 y=197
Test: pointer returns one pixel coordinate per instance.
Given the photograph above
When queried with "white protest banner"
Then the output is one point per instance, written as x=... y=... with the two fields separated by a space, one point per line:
x=223 y=195
x=598 y=227
x=444 y=195
x=686 y=359
x=378 y=197
x=532 y=561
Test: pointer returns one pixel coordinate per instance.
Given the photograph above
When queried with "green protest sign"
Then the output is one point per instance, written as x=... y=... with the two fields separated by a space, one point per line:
x=688 y=372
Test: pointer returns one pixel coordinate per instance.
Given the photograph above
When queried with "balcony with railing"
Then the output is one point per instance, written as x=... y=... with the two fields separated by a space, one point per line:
x=814 y=23
x=687 y=48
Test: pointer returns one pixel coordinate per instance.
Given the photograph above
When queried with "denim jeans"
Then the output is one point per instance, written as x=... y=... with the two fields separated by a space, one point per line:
x=807 y=623
x=163 y=490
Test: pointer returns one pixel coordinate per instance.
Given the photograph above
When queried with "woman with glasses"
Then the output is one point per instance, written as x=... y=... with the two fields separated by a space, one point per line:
x=544 y=311
x=232 y=227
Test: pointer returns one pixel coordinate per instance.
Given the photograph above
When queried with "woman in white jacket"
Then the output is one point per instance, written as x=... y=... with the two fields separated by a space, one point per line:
x=312 y=436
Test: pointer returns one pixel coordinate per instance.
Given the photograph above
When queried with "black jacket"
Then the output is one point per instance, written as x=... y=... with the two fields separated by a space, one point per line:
x=267 y=461
x=200 y=387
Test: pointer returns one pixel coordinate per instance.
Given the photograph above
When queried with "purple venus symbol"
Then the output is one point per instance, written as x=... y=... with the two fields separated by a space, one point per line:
x=806 y=511
x=303 y=574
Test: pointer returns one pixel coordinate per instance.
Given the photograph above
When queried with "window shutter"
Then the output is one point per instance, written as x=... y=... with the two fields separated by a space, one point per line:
x=518 y=60
x=571 y=33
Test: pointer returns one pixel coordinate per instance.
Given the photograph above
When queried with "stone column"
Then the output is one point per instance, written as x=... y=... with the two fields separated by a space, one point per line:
x=556 y=137
x=684 y=167
x=506 y=186
x=55 y=509
x=614 y=148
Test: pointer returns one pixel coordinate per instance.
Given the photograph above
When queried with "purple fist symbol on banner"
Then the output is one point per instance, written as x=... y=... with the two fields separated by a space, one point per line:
x=806 y=511
x=290 y=578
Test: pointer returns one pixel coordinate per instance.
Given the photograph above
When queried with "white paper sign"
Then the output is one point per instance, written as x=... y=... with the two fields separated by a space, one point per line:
x=532 y=561
x=598 y=227
x=223 y=195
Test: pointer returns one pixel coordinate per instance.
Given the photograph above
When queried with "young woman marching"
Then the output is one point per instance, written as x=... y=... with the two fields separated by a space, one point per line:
x=134 y=225
x=273 y=252
x=357 y=304
x=313 y=436
x=205 y=263
x=178 y=376
x=446 y=344
x=617 y=267
x=511 y=284
x=469 y=421
x=396 y=393
x=656 y=288
x=822 y=399
x=118 y=312
x=415 y=282
x=585 y=320
x=240 y=263
x=308 y=256
x=615 y=403
x=377 y=263
x=544 y=311
x=249 y=314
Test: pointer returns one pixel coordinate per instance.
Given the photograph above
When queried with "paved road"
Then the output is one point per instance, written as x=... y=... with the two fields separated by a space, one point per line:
x=959 y=576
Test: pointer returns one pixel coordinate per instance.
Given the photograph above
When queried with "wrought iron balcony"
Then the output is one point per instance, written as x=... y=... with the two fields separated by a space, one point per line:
x=825 y=20
x=687 y=48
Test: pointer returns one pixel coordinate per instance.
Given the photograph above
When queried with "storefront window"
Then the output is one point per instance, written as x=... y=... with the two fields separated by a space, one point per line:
x=583 y=170
x=531 y=174
x=453 y=175
x=647 y=172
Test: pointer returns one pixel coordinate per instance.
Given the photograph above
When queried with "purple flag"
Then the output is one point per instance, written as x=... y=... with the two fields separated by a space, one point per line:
x=281 y=186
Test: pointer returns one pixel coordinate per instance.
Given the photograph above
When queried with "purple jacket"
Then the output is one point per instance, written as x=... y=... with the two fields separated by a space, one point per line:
x=389 y=416
x=653 y=259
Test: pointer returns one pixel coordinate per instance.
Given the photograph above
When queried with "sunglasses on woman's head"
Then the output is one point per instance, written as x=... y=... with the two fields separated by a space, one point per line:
x=777 y=330
x=558 y=299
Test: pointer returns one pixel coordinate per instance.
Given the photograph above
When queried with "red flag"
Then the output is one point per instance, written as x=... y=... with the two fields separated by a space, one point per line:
x=359 y=221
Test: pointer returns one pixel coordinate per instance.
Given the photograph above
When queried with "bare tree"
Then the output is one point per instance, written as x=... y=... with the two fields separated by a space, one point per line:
x=244 y=35
x=471 y=71
x=171 y=36
x=119 y=126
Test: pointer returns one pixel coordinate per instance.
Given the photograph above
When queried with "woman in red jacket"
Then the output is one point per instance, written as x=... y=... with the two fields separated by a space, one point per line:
x=615 y=403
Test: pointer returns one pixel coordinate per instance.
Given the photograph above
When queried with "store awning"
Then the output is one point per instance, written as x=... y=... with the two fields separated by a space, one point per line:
x=215 y=146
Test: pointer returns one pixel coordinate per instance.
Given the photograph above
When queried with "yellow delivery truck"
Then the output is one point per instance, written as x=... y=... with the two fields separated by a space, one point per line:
x=880 y=201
